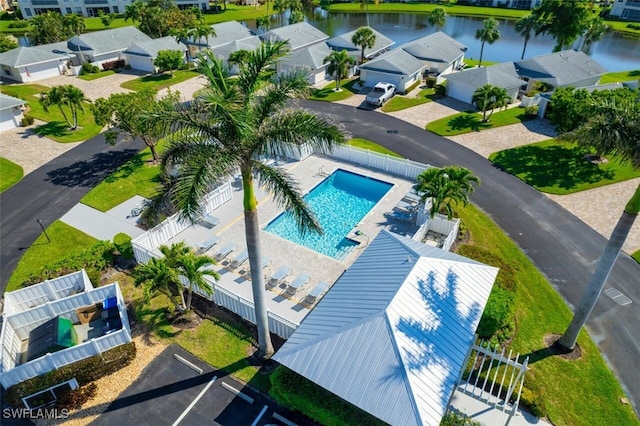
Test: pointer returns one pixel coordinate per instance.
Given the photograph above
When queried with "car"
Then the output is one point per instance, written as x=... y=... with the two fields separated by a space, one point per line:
x=381 y=93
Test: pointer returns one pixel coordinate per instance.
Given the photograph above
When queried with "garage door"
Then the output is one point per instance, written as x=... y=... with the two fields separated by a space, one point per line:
x=141 y=63
x=371 y=78
x=459 y=91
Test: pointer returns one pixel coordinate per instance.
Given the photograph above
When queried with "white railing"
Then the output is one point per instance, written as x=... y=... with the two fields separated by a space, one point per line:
x=401 y=167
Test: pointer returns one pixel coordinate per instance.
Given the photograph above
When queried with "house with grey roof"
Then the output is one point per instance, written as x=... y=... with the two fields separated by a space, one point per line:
x=225 y=33
x=343 y=42
x=462 y=85
x=10 y=112
x=33 y=63
x=141 y=56
x=309 y=59
x=393 y=333
x=105 y=46
x=224 y=51
x=298 y=35
x=561 y=69
x=441 y=54
x=396 y=67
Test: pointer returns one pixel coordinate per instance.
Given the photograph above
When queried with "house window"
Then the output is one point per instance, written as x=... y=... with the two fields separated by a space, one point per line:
x=115 y=9
x=27 y=12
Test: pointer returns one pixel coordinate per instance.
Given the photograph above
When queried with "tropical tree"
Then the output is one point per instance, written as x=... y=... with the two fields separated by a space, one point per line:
x=446 y=187
x=437 y=18
x=339 y=64
x=75 y=23
x=280 y=7
x=66 y=96
x=264 y=22
x=524 y=27
x=364 y=4
x=202 y=30
x=157 y=276
x=614 y=127
x=490 y=98
x=105 y=18
x=48 y=28
x=564 y=20
x=231 y=124
x=122 y=113
x=594 y=31
x=194 y=268
x=489 y=33
x=168 y=60
x=295 y=16
x=238 y=58
x=7 y=43
x=365 y=38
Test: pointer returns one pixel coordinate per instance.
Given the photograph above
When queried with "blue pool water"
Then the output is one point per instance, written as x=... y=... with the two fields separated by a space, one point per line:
x=339 y=202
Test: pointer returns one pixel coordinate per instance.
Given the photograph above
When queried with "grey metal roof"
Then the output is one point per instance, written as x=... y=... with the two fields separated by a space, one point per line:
x=7 y=102
x=24 y=56
x=392 y=334
x=560 y=68
x=226 y=32
x=436 y=47
x=502 y=75
x=396 y=61
x=107 y=41
x=225 y=50
x=297 y=35
x=311 y=57
x=151 y=48
x=343 y=42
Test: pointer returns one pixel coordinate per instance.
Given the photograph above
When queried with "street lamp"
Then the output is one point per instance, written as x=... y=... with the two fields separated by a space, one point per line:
x=44 y=231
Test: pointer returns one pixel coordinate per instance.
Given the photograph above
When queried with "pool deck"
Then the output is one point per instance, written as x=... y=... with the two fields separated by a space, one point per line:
x=230 y=229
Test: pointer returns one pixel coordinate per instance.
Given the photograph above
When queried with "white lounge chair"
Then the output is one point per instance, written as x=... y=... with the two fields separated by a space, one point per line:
x=403 y=216
x=300 y=280
x=239 y=259
x=207 y=244
x=209 y=221
x=277 y=277
x=265 y=264
x=313 y=295
x=225 y=250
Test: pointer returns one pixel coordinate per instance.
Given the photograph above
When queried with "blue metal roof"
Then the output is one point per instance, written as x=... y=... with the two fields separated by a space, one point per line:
x=392 y=334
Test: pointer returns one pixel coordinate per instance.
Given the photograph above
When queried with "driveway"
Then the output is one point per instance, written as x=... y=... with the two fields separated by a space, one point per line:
x=94 y=89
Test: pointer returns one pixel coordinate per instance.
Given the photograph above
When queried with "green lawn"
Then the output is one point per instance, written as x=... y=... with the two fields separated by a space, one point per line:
x=91 y=77
x=399 y=102
x=636 y=256
x=560 y=167
x=159 y=81
x=413 y=8
x=613 y=77
x=56 y=127
x=64 y=240
x=371 y=146
x=470 y=63
x=470 y=121
x=10 y=174
x=328 y=93
x=136 y=177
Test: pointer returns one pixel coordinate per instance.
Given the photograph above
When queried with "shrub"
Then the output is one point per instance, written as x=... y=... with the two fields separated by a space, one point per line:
x=27 y=120
x=430 y=82
x=18 y=24
x=506 y=276
x=85 y=371
x=76 y=398
x=531 y=111
x=633 y=26
x=88 y=68
x=122 y=243
x=113 y=65
x=441 y=90
x=458 y=419
x=498 y=319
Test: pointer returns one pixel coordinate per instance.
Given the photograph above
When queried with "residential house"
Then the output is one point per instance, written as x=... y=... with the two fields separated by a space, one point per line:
x=396 y=67
x=225 y=33
x=440 y=53
x=309 y=59
x=343 y=42
x=10 y=112
x=543 y=100
x=141 y=56
x=224 y=51
x=463 y=84
x=105 y=46
x=28 y=64
x=298 y=35
x=96 y=321
x=626 y=9
x=392 y=335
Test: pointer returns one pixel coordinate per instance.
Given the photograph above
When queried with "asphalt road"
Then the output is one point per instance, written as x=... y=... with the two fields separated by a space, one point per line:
x=562 y=247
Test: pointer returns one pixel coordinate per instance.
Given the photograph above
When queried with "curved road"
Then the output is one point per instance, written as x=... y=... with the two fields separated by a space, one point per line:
x=562 y=247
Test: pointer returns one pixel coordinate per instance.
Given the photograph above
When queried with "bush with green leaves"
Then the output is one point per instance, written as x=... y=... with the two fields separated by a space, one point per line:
x=441 y=90
x=123 y=245
x=27 y=120
x=88 y=68
x=430 y=82
x=458 y=419
x=531 y=111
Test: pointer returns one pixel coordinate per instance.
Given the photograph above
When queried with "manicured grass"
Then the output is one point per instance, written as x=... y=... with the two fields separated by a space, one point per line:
x=56 y=127
x=159 y=81
x=10 y=174
x=138 y=176
x=560 y=168
x=613 y=77
x=399 y=102
x=636 y=256
x=371 y=146
x=470 y=121
x=470 y=63
x=450 y=9
x=540 y=311
x=64 y=240
x=328 y=93
x=91 y=77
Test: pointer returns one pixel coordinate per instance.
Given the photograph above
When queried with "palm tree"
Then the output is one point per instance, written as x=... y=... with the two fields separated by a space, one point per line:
x=365 y=38
x=67 y=95
x=446 y=187
x=264 y=22
x=616 y=127
x=202 y=30
x=489 y=98
x=524 y=26
x=238 y=58
x=437 y=18
x=157 y=276
x=193 y=268
x=76 y=25
x=364 y=4
x=339 y=63
x=231 y=124
x=489 y=33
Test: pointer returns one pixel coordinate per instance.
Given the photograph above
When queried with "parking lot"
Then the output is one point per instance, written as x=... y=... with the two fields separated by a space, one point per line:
x=179 y=389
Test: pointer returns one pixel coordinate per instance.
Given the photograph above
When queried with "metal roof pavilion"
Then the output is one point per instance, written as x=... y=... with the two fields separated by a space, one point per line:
x=392 y=334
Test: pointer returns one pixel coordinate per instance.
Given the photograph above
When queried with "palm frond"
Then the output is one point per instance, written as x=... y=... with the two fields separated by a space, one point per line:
x=285 y=86
x=260 y=66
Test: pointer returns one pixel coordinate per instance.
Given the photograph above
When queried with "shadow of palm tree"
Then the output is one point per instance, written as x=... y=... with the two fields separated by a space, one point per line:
x=470 y=121
x=52 y=128
x=89 y=173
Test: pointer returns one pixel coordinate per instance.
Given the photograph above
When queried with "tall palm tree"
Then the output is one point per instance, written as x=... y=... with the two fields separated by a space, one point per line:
x=364 y=4
x=489 y=33
x=193 y=268
x=200 y=31
x=339 y=63
x=75 y=25
x=615 y=126
x=524 y=27
x=489 y=98
x=231 y=124
x=446 y=187
x=437 y=18
x=68 y=96
x=365 y=38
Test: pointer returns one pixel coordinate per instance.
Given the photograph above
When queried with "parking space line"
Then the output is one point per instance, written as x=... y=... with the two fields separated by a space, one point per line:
x=283 y=419
x=237 y=392
x=264 y=409
x=186 y=411
x=188 y=364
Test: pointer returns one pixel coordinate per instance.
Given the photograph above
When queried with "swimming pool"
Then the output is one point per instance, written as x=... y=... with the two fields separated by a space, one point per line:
x=339 y=202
